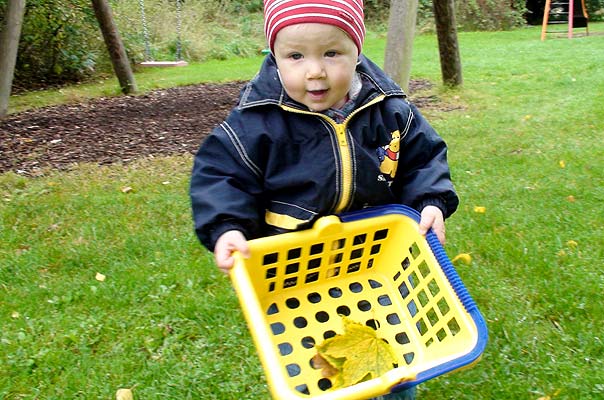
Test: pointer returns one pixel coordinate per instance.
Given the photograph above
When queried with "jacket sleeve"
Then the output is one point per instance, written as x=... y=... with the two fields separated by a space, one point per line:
x=224 y=186
x=423 y=176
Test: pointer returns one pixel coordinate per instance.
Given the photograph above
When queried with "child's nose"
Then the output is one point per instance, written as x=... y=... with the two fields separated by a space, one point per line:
x=315 y=70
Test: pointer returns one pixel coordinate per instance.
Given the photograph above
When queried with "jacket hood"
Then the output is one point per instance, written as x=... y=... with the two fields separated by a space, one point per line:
x=266 y=88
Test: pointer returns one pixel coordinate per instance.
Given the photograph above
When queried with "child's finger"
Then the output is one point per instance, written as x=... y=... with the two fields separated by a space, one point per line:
x=425 y=223
x=224 y=260
x=244 y=249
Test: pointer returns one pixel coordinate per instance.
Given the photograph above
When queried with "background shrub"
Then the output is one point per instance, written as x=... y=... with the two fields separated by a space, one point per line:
x=57 y=42
x=61 y=41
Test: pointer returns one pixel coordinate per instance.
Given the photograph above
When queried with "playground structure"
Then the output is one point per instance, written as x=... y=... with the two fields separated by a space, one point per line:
x=564 y=12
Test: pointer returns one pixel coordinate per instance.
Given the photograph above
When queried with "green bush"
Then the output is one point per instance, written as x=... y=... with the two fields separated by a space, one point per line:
x=61 y=41
x=56 y=43
x=209 y=29
x=475 y=15
x=595 y=9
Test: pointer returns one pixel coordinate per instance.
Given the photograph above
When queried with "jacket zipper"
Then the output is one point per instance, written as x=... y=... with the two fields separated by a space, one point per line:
x=344 y=148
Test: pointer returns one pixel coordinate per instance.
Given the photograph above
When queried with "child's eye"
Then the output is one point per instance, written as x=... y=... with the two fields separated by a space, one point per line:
x=295 y=56
x=331 y=53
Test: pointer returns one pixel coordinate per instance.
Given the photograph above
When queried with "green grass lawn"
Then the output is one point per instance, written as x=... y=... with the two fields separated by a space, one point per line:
x=104 y=287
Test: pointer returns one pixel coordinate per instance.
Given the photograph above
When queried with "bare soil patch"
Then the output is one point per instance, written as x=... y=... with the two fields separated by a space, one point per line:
x=124 y=128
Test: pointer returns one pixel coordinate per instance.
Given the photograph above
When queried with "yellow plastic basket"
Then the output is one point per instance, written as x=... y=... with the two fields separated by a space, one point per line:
x=373 y=267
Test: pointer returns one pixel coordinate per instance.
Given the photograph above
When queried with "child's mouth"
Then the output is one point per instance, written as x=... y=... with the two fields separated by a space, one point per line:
x=317 y=93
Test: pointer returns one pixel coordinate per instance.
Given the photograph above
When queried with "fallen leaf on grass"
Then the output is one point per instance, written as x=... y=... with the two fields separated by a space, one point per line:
x=354 y=356
x=571 y=198
x=124 y=394
x=556 y=393
x=562 y=164
x=480 y=209
x=572 y=244
x=127 y=189
x=100 y=277
x=463 y=257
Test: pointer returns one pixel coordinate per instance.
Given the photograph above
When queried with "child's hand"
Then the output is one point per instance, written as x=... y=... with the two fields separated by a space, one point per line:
x=226 y=245
x=432 y=217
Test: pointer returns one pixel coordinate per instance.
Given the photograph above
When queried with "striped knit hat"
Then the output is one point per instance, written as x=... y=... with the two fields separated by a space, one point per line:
x=345 y=14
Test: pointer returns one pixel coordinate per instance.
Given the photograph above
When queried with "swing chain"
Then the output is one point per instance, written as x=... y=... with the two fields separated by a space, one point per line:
x=145 y=30
x=178 y=28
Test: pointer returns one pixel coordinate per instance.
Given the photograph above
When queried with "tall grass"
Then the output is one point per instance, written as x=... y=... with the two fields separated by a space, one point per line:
x=208 y=30
x=526 y=143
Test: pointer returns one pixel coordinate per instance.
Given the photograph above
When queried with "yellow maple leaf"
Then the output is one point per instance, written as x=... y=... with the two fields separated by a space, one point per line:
x=124 y=394
x=480 y=209
x=463 y=257
x=357 y=355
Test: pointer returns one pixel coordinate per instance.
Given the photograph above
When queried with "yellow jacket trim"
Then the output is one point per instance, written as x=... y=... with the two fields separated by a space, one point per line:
x=282 y=221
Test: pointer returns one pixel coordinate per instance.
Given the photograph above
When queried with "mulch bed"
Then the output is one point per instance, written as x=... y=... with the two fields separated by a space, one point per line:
x=124 y=128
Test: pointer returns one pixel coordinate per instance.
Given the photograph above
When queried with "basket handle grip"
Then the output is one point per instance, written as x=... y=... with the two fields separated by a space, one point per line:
x=328 y=225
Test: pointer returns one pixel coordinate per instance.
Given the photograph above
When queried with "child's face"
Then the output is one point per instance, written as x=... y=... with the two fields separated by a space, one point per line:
x=317 y=63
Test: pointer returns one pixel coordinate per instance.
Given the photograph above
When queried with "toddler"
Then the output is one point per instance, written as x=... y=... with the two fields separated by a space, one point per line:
x=319 y=130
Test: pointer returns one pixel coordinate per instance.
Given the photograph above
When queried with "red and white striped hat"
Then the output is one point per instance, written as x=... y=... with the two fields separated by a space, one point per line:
x=345 y=14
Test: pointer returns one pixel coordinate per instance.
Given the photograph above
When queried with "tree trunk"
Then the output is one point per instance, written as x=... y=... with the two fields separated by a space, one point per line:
x=9 y=44
x=114 y=44
x=399 y=42
x=448 y=47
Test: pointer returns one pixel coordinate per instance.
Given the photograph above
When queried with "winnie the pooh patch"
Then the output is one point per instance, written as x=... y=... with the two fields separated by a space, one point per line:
x=388 y=155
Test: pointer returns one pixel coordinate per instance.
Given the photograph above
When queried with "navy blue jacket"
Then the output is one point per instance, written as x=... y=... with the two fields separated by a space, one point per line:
x=274 y=166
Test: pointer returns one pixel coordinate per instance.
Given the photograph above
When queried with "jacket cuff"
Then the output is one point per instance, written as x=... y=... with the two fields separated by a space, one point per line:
x=433 y=201
x=218 y=230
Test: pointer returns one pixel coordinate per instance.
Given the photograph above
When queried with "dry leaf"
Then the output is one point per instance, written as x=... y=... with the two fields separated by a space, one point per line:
x=318 y=362
x=463 y=257
x=15 y=314
x=124 y=394
x=571 y=198
x=480 y=209
x=126 y=189
x=100 y=277
x=357 y=354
